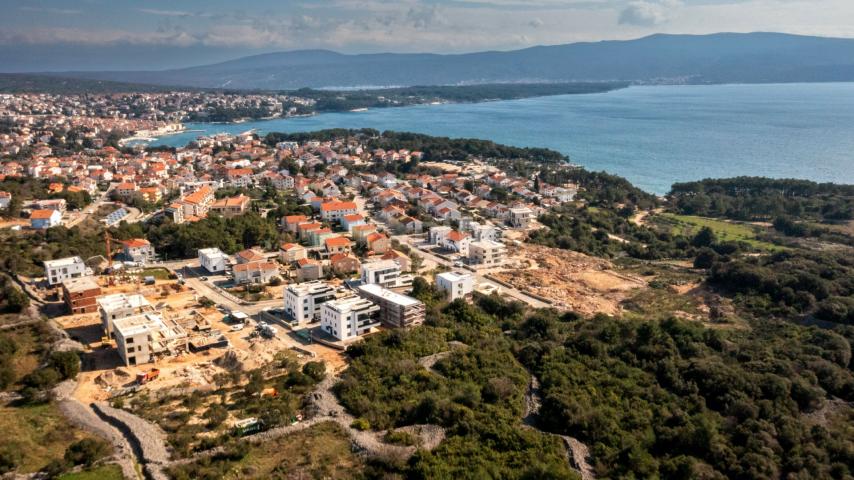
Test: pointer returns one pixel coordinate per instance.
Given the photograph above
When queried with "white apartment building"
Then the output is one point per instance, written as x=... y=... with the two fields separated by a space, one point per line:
x=384 y=273
x=455 y=284
x=438 y=234
x=487 y=253
x=120 y=305
x=521 y=217
x=303 y=300
x=63 y=269
x=140 y=338
x=333 y=211
x=396 y=310
x=349 y=317
x=213 y=260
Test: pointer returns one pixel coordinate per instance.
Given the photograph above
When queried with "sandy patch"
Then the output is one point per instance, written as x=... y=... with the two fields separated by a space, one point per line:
x=571 y=280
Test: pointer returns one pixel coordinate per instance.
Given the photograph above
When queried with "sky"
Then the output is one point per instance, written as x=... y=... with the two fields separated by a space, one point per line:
x=57 y=35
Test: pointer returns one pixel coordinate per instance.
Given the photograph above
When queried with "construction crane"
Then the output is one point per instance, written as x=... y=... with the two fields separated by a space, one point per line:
x=108 y=239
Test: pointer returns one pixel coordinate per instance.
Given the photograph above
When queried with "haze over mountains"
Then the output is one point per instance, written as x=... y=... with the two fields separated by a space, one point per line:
x=697 y=59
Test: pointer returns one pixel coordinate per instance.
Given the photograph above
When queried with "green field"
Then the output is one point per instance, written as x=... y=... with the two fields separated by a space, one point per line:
x=36 y=434
x=106 y=472
x=689 y=225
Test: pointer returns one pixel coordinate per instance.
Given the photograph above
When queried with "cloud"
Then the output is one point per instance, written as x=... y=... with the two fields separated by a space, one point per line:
x=426 y=17
x=536 y=22
x=645 y=13
x=164 y=13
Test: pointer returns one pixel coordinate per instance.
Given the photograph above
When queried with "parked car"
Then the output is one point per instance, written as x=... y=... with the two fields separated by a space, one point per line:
x=237 y=327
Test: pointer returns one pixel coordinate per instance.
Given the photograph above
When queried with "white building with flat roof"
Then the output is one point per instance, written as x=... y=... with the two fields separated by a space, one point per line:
x=140 y=338
x=438 y=234
x=303 y=300
x=455 y=284
x=521 y=217
x=350 y=317
x=120 y=305
x=384 y=273
x=487 y=253
x=213 y=260
x=396 y=310
x=63 y=269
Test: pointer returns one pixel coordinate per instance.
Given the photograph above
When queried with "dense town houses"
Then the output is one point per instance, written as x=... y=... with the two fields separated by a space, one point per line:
x=341 y=207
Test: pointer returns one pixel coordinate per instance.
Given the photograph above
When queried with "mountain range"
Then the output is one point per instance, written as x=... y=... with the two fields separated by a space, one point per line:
x=673 y=59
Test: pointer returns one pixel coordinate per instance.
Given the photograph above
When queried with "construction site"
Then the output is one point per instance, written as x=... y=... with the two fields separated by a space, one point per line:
x=183 y=332
x=569 y=280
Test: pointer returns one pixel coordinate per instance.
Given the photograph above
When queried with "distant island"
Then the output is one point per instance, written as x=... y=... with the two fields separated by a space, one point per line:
x=304 y=101
x=656 y=59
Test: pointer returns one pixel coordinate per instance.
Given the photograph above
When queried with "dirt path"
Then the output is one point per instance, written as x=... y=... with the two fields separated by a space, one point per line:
x=330 y=410
x=640 y=217
x=84 y=418
x=578 y=453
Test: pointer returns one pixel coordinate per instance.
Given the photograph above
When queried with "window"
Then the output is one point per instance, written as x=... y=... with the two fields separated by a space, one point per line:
x=129 y=341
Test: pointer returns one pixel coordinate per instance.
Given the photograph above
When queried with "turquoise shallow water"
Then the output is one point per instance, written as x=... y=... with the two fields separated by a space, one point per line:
x=654 y=136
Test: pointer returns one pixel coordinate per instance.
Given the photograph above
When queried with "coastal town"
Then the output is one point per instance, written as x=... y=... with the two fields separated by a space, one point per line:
x=358 y=233
x=423 y=240
x=248 y=305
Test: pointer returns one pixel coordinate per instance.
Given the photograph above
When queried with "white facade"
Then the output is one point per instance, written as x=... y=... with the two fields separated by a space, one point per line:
x=303 y=300
x=120 y=305
x=521 y=217
x=384 y=273
x=487 y=253
x=396 y=310
x=213 y=260
x=333 y=211
x=62 y=269
x=140 y=337
x=455 y=284
x=349 y=317
x=438 y=234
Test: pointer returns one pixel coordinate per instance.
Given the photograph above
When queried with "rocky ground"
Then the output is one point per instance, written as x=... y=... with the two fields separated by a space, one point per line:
x=571 y=280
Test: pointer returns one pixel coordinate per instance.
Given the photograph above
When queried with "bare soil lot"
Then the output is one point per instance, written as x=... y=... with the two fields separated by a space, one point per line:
x=571 y=280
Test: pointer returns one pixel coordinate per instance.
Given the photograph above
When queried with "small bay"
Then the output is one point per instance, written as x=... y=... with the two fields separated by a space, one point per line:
x=654 y=136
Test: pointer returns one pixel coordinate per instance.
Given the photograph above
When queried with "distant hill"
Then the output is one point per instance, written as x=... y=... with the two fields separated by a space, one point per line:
x=32 y=83
x=696 y=59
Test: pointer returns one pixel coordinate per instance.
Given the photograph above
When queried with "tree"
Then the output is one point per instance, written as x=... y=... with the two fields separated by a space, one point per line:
x=706 y=258
x=704 y=238
x=315 y=370
x=66 y=364
x=215 y=415
x=86 y=451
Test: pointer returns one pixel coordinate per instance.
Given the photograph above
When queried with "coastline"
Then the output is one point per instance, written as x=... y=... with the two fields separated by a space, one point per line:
x=149 y=139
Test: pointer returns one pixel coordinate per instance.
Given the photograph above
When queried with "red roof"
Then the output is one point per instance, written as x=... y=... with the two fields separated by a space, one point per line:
x=456 y=236
x=332 y=206
x=250 y=255
x=238 y=172
x=337 y=242
x=245 y=267
x=375 y=236
x=135 y=243
x=42 y=214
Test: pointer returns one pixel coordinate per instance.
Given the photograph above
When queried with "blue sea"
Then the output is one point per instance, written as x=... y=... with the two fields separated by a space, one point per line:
x=654 y=136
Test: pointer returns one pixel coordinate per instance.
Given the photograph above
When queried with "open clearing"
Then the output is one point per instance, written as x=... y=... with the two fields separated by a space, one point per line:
x=689 y=225
x=106 y=472
x=39 y=433
x=571 y=280
x=323 y=451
